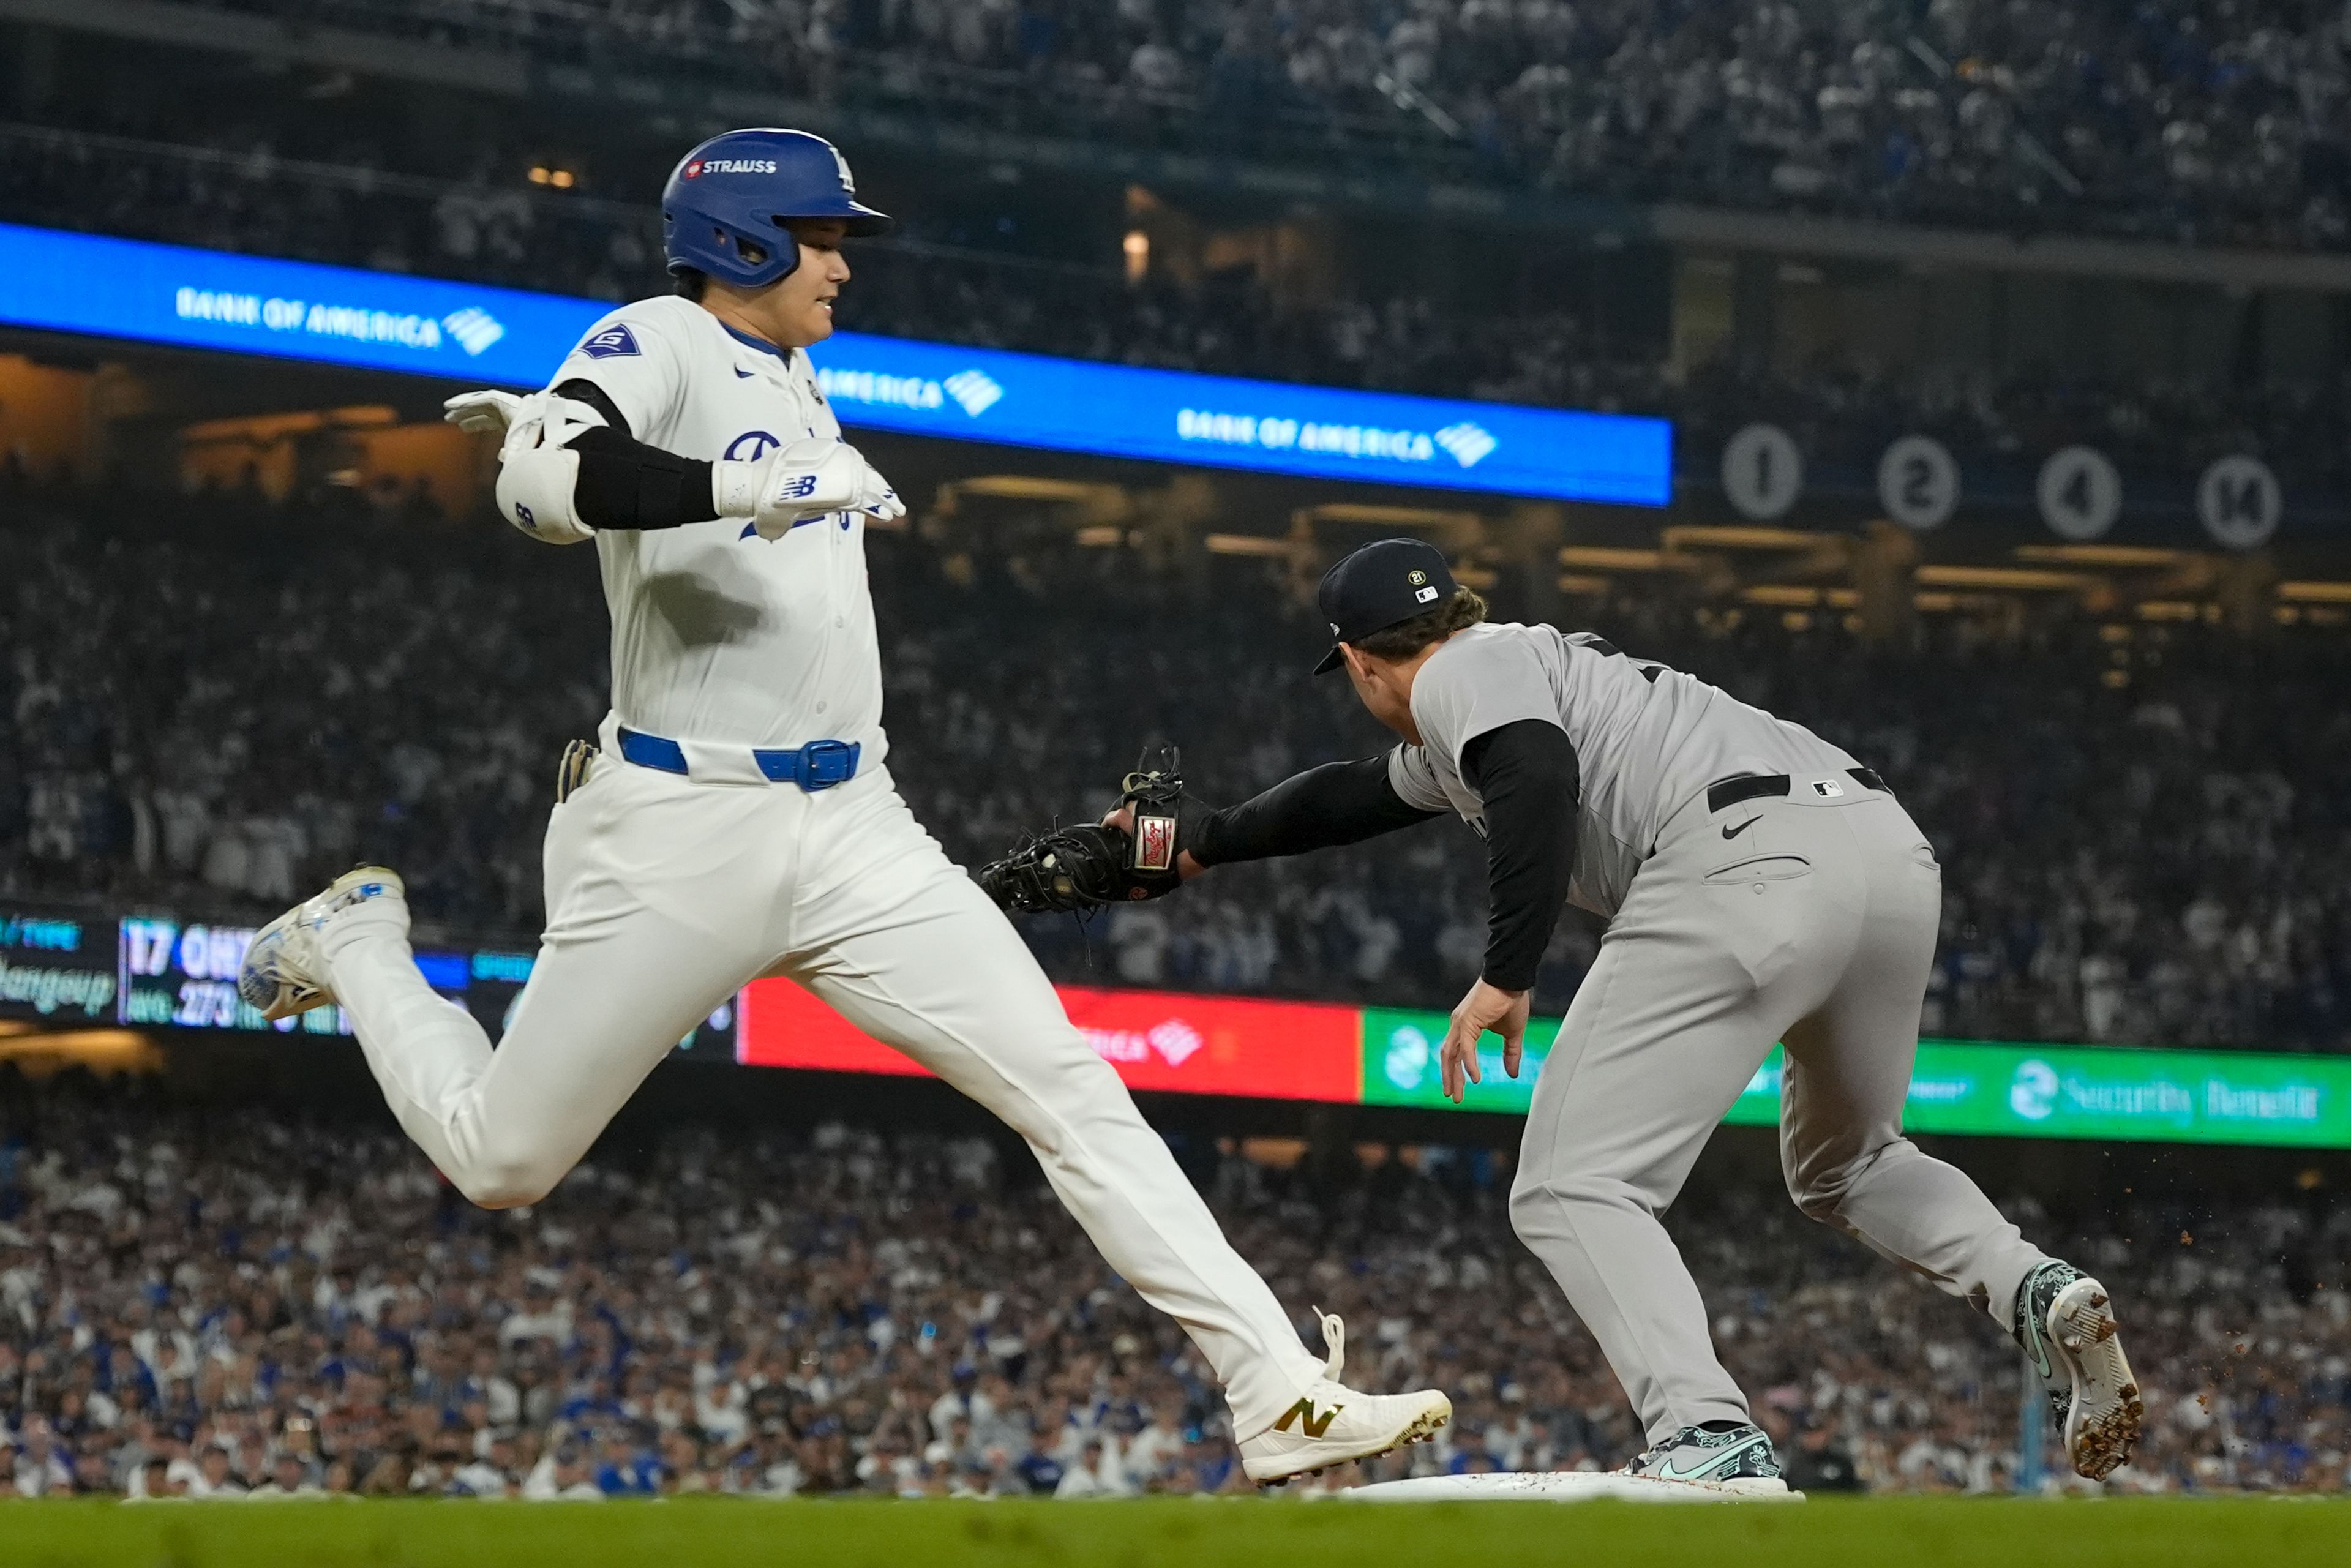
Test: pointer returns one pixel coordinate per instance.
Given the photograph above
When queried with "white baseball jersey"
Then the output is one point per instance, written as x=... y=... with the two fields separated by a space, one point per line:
x=1648 y=739
x=719 y=635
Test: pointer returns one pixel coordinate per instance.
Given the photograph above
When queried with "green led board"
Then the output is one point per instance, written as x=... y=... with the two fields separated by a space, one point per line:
x=2002 y=1090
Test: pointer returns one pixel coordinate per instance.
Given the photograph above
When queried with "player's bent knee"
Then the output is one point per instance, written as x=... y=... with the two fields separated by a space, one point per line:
x=1818 y=1199
x=1819 y=1186
x=1538 y=1203
x=503 y=1191
x=507 y=1181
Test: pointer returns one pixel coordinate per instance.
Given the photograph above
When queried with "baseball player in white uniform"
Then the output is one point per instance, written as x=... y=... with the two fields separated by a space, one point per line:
x=1760 y=887
x=737 y=819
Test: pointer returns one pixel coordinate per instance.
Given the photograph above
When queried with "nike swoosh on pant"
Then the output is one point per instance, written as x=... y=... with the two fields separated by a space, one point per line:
x=1734 y=833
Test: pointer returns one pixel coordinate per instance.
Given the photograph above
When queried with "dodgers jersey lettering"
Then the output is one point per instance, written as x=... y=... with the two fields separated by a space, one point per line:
x=717 y=634
x=1648 y=739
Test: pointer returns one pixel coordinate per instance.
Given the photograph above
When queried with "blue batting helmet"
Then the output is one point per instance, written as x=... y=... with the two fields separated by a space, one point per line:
x=724 y=206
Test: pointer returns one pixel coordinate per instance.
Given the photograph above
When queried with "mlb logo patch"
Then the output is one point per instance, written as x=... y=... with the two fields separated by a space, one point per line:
x=1827 y=789
x=609 y=343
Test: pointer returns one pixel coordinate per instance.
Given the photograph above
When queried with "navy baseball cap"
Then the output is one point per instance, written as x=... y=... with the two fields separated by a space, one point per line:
x=1377 y=586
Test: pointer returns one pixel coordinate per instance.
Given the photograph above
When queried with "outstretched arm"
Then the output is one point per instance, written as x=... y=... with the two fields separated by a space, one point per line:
x=569 y=467
x=1337 y=803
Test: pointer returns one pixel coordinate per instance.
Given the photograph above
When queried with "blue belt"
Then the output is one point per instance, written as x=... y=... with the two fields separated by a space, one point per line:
x=819 y=765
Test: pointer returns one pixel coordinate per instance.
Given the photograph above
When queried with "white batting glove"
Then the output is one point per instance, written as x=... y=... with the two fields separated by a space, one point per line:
x=799 y=483
x=482 y=412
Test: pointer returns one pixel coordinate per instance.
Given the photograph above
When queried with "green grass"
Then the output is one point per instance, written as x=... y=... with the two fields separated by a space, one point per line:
x=1910 y=1533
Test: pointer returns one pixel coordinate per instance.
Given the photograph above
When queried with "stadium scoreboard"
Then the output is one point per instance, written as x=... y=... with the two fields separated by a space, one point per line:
x=154 y=971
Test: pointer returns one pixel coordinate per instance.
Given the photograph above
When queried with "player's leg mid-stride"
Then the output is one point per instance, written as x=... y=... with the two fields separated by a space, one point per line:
x=287 y=972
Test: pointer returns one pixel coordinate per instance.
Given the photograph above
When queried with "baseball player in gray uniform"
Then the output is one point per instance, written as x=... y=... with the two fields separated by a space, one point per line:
x=1761 y=885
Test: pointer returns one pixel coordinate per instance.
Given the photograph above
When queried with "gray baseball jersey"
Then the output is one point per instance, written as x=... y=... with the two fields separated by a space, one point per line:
x=1648 y=739
x=1808 y=918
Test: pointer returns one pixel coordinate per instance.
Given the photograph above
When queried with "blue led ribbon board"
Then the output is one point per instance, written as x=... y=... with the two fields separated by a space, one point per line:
x=110 y=288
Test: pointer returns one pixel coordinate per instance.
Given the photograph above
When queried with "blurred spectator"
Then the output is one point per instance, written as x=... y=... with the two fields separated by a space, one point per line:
x=2161 y=429
x=2144 y=840
x=2169 y=118
x=844 y=1284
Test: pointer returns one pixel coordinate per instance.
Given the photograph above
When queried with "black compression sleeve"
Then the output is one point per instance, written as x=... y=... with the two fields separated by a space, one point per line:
x=625 y=483
x=1337 y=803
x=1527 y=773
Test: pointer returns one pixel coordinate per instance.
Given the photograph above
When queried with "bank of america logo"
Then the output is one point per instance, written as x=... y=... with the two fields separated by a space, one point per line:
x=1467 y=444
x=975 y=389
x=475 y=329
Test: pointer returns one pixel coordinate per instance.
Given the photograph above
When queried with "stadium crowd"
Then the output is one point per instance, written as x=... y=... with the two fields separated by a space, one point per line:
x=288 y=1306
x=932 y=283
x=2168 y=118
x=215 y=704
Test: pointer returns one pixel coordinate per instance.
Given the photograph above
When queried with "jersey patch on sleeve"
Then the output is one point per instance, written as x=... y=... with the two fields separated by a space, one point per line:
x=611 y=342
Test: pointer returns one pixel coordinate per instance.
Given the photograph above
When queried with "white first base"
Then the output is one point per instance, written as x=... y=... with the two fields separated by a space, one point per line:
x=1560 y=1485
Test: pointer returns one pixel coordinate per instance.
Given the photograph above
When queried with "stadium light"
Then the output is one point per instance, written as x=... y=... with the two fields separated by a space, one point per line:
x=1608 y=557
x=2103 y=554
x=2008 y=579
x=1702 y=536
x=1248 y=544
x=2315 y=592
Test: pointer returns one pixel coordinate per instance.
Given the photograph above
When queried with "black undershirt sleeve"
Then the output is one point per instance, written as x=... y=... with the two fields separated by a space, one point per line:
x=1526 y=772
x=625 y=483
x=1337 y=803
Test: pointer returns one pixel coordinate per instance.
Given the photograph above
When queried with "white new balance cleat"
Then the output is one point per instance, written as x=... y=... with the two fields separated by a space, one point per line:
x=2065 y=1321
x=284 y=972
x=1332 y=1423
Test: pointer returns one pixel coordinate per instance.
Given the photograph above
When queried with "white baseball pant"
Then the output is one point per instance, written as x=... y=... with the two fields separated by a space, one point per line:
x=666 y=895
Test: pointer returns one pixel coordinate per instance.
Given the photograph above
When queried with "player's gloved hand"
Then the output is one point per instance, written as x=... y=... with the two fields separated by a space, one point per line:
x=482 y=412
x=1135 y=853
x=801 y=482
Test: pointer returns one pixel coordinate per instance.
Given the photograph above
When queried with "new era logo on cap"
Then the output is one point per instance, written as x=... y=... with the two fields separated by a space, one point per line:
x=1376 y=587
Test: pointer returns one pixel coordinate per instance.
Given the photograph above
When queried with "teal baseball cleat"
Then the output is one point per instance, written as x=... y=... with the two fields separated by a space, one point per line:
x=1736 y=1456
x=2065 y=1321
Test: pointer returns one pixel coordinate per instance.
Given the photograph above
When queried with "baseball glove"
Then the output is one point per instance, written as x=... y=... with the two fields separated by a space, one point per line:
x=1076 y=870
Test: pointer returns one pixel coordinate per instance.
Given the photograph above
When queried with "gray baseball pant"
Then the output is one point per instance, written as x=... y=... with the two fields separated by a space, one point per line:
x=1814 y=924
